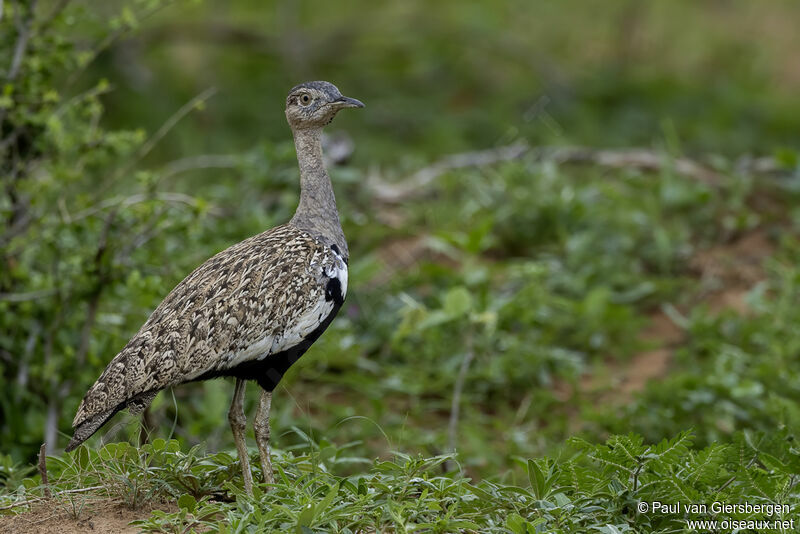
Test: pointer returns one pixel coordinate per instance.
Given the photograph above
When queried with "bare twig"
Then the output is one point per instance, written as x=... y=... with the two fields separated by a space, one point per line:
x=23 y=372
x=151 y=142
x=55 y=12
x=455 y=407
x=173 y=120
x=59 y=493
x=637 y=158
x=633 y=158
x=93 y=91
x=53 y=412
x=417 y=182
x=30 y=295
x=43 y=470
x=137 y=241
x=124 y=202
x=147 y=427
x=203 y=161
x=23 y=35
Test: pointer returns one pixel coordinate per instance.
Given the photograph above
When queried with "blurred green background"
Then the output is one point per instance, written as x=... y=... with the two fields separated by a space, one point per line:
x=586 y=299
x=721 y=76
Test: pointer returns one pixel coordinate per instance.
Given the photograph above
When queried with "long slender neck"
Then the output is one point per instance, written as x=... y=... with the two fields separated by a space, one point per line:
x=316 y=213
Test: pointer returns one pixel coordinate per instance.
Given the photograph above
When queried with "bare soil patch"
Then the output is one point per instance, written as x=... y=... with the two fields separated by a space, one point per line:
x=106 y=516
x=727 y=273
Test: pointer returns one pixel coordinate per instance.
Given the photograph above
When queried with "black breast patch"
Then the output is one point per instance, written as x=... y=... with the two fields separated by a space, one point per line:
x=333 y=292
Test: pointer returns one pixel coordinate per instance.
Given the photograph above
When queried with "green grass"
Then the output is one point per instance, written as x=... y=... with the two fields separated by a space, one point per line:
x=545 y=277
x=585 y=488
x=556 y=310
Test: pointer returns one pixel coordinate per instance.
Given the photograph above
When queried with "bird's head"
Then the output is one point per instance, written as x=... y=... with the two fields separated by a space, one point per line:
x=314 y=104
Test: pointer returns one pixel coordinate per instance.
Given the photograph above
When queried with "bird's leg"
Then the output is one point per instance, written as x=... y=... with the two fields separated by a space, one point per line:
x=238 y=426
x=261 y=426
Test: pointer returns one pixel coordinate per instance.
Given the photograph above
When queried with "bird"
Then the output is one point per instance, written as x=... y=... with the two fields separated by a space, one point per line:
x=250 y=311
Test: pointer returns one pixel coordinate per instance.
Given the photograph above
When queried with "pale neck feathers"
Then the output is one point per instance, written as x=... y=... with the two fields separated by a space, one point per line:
x=316 y=213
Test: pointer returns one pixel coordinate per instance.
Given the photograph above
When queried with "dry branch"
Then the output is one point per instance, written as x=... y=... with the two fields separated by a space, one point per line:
x=458 y=388
x=170 y=123
x=203 y=161
x=43 y=471
x=633 y=158
x=120 y=202
x=28 y=502
x=30 y=295
x=23 y=36
x=415 y=184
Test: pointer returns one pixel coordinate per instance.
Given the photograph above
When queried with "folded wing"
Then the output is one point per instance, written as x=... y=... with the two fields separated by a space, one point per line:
x=255 y=299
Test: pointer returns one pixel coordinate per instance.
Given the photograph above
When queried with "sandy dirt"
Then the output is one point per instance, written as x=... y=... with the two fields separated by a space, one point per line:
x=102 y=516
x=728 y=273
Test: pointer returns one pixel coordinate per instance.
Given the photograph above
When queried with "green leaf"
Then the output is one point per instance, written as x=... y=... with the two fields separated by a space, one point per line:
x=537 y=479
x=516 y=524
x=306 y=517
x=82 y=456
x=787 y=158
x=462 y=524
x=326 y=501
x=457 y=302
x=187 y=502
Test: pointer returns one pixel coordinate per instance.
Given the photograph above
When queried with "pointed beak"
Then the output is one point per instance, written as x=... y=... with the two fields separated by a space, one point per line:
x=347 y=102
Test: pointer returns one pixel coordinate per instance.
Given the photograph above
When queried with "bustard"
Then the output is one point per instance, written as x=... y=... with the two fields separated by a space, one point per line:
x=250 y=311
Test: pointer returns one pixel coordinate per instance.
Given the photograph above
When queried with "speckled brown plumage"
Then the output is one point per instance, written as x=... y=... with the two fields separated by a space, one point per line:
x=253 y=291
x=251 y=310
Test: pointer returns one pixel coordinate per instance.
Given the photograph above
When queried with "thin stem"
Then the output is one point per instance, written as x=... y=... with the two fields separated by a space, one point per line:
x=455 y=407
x=37 y=499
x=43 y=470
x=151 y=142
x=23 y=36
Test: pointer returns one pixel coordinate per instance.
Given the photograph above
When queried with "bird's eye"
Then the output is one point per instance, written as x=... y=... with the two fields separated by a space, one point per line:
x=305 y=100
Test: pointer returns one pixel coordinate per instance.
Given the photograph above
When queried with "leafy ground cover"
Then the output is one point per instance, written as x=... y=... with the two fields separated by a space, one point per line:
x=552 y=341
x=586 y=488
x=588 y=332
